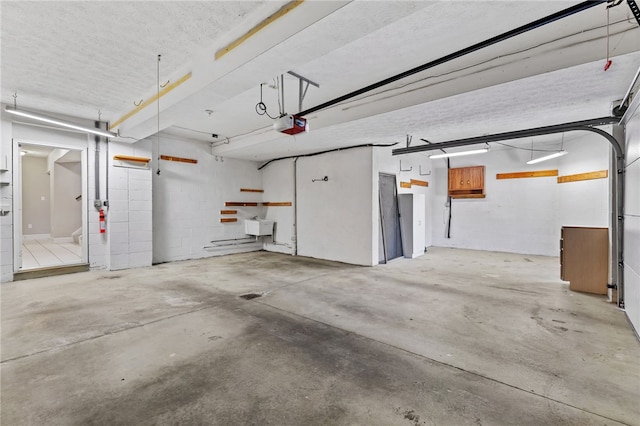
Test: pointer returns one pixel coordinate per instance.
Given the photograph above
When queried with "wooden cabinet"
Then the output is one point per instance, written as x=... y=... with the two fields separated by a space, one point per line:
x=466 y=182
x=584 y=258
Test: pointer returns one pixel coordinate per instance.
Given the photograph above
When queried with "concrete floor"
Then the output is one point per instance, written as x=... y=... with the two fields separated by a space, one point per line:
x=454 y=337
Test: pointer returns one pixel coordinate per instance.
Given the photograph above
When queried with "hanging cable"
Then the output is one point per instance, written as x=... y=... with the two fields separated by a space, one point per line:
x=158 y=112
x=261 y=107
x=607 y=64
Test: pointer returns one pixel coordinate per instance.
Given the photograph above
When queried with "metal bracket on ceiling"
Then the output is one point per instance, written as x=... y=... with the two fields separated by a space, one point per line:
x=634 y=9
x=409 y=137
x=303 y=85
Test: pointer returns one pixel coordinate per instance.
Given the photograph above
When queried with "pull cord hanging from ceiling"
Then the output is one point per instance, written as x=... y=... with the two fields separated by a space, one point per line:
x=158 y=112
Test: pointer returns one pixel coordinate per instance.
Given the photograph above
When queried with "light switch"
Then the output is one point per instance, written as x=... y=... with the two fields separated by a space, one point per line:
x=29 y=226
x=42 y=198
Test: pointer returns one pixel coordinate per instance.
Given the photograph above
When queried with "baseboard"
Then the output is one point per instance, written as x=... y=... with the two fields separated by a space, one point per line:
x=61 y=240
x=36 y=236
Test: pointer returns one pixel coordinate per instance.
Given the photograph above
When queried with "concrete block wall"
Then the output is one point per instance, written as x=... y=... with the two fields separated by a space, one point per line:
x=523 y=215
x=6 y=201
x=632 y=222
x=188 y=199
x=129 y=216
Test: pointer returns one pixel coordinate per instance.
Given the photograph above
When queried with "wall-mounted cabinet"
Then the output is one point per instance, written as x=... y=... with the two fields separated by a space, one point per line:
x=466 y=182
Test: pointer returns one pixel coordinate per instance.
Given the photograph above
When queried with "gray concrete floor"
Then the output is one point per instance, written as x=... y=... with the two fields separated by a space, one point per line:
x=451 y=338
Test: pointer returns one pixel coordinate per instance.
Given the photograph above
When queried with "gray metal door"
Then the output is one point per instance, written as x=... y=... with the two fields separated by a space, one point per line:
x=389 y=218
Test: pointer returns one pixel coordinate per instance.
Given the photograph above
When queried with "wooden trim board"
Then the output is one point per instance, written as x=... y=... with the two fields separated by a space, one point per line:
x=419 y=182
x=228 y=219
x=405 y=184
x=251 y=190
x=179 y=159
x=531 y=174
x=600 y=174
x=240 y=204
x=228 y=211
x=253 y=31
x=277 y=204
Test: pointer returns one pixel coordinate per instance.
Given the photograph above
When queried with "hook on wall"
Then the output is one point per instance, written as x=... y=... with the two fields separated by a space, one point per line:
x=420 y=171
x=165 y=84
x=405 y=170
x=138 y=103
x=324 y=179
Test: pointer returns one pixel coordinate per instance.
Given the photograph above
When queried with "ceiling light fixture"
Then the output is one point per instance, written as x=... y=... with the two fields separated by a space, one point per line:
x=547 y=157
x=460 y=153
x=60 y=123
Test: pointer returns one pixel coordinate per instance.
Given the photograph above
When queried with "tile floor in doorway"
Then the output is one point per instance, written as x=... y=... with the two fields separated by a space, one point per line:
x=44 y=253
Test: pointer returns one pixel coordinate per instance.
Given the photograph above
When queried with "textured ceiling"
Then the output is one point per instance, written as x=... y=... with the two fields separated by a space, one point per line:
x=91 y=55
x=78 y=57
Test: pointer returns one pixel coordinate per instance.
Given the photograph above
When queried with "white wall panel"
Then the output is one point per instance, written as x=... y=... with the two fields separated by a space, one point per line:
x=336 y=218
x=632 y=223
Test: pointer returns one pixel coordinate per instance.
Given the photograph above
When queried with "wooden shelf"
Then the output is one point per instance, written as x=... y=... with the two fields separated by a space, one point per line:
x=228 y=211
x=129 y=158
x=228 y=219
x=468 y=195
x=251 y=190
x=405 y=184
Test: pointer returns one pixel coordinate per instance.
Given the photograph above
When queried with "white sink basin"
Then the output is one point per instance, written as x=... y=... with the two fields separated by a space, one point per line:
x=258 y=227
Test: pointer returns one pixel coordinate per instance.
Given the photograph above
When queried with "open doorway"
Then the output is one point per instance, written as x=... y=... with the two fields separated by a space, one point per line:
x=51 y=214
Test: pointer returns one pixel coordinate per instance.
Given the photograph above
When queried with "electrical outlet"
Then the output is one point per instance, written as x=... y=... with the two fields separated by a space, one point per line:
x=42 y=198
x=29 y=226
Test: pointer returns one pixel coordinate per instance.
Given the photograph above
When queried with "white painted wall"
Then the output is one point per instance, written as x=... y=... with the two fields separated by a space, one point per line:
x=36 y=218
x=524 y=215
x=632 y=223
x=336 y=219
x=188 y=198
x=278 y=182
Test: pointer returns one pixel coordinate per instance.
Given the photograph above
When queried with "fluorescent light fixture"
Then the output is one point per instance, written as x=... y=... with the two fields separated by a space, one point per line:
x=60 y=123
x=460 y=153
x=547 y=157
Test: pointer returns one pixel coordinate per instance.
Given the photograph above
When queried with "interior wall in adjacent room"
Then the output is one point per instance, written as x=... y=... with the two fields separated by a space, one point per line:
x=36 y=218
x=188 y=199
x=336 y=217
x=66 y=213
x=632 y=222
x=524 y=215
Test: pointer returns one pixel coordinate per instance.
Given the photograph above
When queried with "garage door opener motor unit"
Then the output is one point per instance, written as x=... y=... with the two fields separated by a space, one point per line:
x=291 y=124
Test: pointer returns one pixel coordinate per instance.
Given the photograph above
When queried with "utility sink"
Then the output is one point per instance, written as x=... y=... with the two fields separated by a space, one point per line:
x=258 y=227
